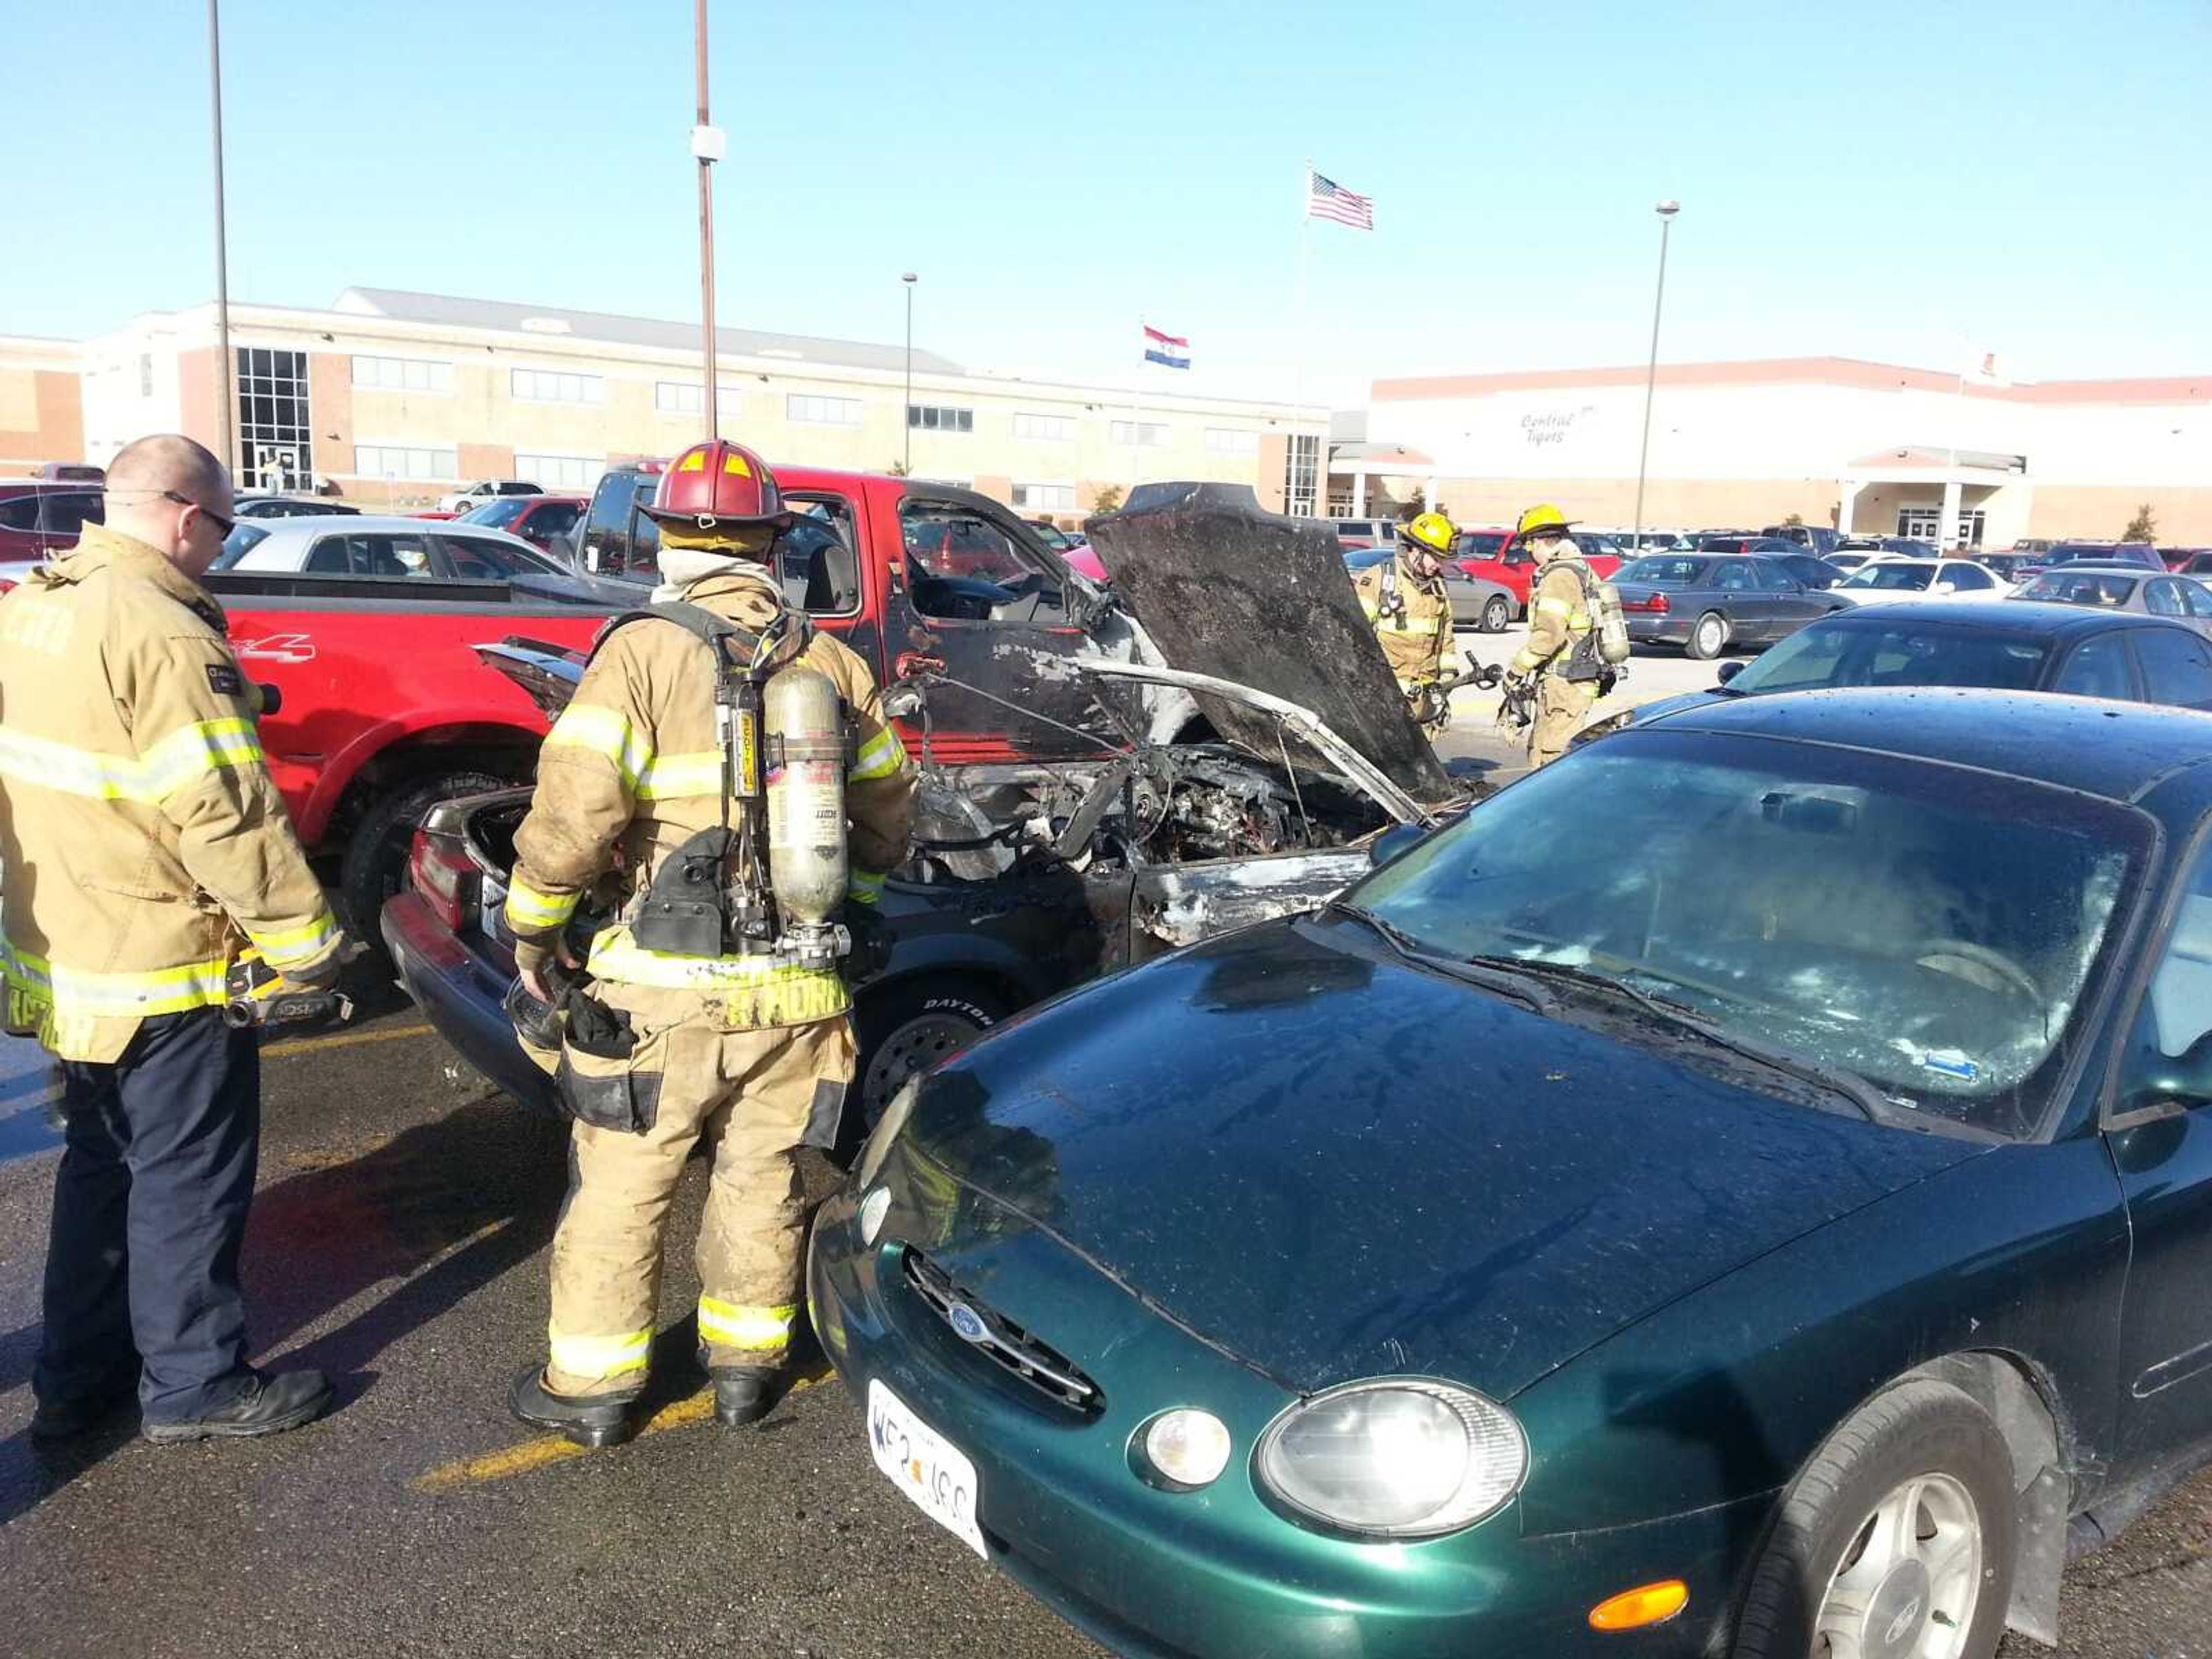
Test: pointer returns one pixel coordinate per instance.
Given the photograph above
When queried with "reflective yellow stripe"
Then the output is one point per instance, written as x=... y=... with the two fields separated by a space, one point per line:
x=863 y=886
x=784 y=991
x=184 y=756
x=736 y=1325
x=676 y=777
x=300 y=943
x=881 y=757
x=1579 y=623
x=1526 y=661
x=606 y=732
x=73 y=992
x=599 y=1357
x=1554 y=608
x=527 y=908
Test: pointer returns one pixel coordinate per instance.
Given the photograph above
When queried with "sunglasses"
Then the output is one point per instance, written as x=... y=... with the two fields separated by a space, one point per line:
x=225 y=525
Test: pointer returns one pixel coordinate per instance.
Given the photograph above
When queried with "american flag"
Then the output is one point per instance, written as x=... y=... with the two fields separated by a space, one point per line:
x=1326 y=200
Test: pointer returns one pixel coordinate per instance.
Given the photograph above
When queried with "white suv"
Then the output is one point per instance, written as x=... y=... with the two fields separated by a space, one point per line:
x=477 y=494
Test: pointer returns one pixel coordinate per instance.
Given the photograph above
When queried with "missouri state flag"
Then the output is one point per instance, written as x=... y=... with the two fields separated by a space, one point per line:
x=1167 y=350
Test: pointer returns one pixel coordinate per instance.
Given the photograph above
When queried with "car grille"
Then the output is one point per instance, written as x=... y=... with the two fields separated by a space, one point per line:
x=1000 y=1340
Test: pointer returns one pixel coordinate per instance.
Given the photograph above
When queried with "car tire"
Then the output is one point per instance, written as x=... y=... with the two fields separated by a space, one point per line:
x=1921 y=1457
x=1496 y=614
x=376 y=861
x=905 y=1029
x=1709 y=637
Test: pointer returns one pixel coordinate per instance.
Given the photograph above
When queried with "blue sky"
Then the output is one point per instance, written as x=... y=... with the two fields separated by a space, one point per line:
x=1905 y=182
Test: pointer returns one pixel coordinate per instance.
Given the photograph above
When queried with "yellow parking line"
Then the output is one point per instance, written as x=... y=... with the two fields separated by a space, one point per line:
x=554 y=1449
x=343 y=1040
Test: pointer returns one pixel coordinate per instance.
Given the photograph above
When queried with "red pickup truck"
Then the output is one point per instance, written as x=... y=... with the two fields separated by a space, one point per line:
x=386 y=710
x=1498 y=556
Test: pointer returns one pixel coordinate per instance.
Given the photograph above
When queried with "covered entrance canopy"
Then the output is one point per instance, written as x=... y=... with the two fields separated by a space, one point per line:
x=1956 y=472
x=1362 y=474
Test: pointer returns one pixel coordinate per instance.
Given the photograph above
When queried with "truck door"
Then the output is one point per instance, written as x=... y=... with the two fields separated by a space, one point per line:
x=978 y=602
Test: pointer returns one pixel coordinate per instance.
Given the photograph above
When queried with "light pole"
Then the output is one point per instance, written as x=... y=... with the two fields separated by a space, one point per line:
x=910 y=278
x=225 y=366
x=1666 y=210
x=708 y=144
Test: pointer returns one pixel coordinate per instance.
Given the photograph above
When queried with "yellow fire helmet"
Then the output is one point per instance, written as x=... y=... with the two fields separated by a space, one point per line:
x=1432 y=531
x=1542 y=516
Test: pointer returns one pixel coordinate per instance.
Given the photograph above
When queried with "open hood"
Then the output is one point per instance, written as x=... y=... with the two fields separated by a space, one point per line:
x=1262 y=601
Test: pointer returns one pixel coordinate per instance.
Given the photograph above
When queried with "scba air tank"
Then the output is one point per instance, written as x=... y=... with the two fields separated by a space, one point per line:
x=804 y=724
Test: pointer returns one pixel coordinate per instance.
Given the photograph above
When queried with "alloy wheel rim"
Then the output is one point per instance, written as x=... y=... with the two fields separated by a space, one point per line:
x=1911 y=1579
x=1709 y=635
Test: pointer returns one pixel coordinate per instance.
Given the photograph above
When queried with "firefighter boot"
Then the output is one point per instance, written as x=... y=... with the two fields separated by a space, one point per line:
x=743 y=1394
x=591 y=1421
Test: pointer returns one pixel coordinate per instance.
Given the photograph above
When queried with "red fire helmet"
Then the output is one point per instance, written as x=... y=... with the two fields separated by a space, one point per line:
x=718 y=484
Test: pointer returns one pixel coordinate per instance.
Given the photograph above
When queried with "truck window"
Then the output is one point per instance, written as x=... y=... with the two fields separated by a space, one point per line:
x=605 y=543
x=815 y=563
x=479 y=558
x=963 y=566
x=368 y=555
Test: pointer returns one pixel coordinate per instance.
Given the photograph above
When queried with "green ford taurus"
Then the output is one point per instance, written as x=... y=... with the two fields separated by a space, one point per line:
x=1740 y=1190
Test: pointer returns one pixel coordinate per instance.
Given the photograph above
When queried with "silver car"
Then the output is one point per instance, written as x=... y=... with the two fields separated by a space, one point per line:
x=2111 y=586
x=362 y=544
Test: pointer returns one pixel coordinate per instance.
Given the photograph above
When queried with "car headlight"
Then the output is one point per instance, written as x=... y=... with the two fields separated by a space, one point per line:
x=888 y=1128
x=1401 y=1457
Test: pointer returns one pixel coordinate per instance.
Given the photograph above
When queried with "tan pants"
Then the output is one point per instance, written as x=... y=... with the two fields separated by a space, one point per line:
x=750 y=1096
x=1562 y=705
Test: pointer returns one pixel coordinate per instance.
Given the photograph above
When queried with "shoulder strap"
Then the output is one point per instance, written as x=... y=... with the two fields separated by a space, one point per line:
x=732 y=646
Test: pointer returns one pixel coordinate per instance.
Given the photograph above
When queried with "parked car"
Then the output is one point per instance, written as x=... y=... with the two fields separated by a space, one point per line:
x=1475 y=603
x=255 y=505
x=2136 y=553
x=1494 y=556
x=536 y=518
x=461 y=501
x=1871 y=545
x=1882 y=581
x=2181 y=558
x=363 y=544
x=1753 y=1234
x=1371 y=533
x=2122 y=587
x=1813 y=538
x=1703 y=601
x=2197 y=564
x=77 y=472
x=40 y=518
x=1712 y=541
x=2010 y=567
x=1999 y=645
x=2033 y=544
x=1053 y=536
x=1653 y=541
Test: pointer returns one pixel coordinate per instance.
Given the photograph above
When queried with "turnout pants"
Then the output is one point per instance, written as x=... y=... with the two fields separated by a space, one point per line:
x=1562 y=705
x=149 y=1205
x=751 y=1095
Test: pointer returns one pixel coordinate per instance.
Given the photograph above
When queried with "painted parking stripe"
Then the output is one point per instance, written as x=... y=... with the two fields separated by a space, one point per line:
x=343 y=1040
x=551 y=1448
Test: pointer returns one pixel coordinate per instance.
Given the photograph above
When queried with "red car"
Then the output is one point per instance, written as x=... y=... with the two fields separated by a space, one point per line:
x=1493 y=556
x=536 y=518
x=40 y=518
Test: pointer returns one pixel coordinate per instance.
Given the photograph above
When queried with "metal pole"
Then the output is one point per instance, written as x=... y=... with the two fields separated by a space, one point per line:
x=707 y=237
x=1667 y=210
x=907 y=459
x=226 y=364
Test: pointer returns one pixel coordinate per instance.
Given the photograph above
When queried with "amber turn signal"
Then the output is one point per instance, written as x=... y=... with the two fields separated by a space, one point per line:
x=1647 y=1604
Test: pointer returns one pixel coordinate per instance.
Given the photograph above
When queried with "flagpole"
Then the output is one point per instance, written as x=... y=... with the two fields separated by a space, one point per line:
x=1299 y=352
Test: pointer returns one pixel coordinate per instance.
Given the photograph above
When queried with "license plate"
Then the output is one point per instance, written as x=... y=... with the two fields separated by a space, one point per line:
x=923 y=1464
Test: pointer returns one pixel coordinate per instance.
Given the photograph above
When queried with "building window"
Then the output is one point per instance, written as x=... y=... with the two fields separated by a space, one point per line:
x=275 y=448
x=823 y=411
x=1301 y=468
x=1045 y=498
x=1228 y=441
x=403 y=374
x=936 y=417
x=401 y=461
x=1148 y=434
x=544 y=385
x=560 y=471
x=1046 y=428
x=690 y=398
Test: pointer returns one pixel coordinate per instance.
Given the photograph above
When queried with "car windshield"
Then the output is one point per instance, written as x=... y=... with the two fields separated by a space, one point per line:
x=1841 y=906
x=2080 y=587
x=1663 y=572
x=1854 y=650
x=1912 y=578
x=500 y=514
x=244 y=538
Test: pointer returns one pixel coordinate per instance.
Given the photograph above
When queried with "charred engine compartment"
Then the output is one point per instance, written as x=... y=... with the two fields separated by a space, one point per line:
x=1159 y=804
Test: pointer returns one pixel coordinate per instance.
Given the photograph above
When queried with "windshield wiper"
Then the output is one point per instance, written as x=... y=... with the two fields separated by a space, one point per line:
x=1503 y=981
x=1836 y=1080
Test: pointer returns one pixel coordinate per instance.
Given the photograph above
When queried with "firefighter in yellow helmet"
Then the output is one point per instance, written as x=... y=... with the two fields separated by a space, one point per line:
x=1405 y=599
x=714 y=1008
x=1560 y=666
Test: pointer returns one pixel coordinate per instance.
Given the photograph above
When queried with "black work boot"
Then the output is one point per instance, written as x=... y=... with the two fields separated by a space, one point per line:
x=268 y=1404
x=743 y=1394
x=67 y=1420
x=591 y=1421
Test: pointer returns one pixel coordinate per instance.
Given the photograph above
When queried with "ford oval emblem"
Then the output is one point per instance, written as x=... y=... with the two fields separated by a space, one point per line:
x=967 y=1323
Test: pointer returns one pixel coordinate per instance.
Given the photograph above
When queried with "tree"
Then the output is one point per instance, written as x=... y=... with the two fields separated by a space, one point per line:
x=896 y=469
x=1793 y=522
x=1416 y=505
x=1105 y=498
x=2144 y=527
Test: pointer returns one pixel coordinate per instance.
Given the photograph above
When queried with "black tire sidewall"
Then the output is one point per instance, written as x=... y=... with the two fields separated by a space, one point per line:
x=368 y=871
x=1920 y=1427
x=880 y=1016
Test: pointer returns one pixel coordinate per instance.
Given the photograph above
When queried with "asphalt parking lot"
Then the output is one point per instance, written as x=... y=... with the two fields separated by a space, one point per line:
x=399 y=1242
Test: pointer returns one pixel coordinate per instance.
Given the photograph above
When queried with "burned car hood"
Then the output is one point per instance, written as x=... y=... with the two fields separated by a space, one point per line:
x=1335 y=1165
